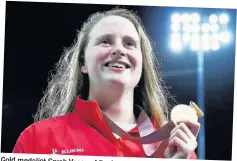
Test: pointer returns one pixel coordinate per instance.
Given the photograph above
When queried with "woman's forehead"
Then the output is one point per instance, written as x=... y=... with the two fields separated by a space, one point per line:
x=114 y=25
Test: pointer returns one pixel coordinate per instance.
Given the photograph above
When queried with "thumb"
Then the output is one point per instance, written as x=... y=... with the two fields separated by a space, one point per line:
x=178 y=155
x=169 y=153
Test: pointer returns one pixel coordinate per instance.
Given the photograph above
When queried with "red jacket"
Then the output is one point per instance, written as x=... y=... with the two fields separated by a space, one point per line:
x=82 y=132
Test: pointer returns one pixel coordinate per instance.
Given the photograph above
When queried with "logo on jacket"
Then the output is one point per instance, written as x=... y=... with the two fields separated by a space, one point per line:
x=54 y=151
x=67 y=151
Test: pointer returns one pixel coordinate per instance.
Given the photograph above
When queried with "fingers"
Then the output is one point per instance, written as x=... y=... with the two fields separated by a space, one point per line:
x=181 y=141
x=174 y=143
x=182 y=128
x=194 y=127
x=180 y=134
x=177 y=145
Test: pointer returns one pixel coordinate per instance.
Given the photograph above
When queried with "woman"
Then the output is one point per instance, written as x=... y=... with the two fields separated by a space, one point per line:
x=109 y=71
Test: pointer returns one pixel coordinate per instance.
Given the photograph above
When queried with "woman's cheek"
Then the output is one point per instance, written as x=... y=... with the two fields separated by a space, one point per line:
x=97 y=56
x=136 y=60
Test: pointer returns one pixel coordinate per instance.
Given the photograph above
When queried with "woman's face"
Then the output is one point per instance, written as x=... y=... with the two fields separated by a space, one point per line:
x=113 y=54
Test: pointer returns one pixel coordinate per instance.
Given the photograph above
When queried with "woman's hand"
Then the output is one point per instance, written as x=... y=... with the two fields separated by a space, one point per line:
x=183 y=140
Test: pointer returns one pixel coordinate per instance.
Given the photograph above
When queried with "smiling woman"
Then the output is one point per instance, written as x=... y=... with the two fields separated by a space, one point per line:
x=107 y=80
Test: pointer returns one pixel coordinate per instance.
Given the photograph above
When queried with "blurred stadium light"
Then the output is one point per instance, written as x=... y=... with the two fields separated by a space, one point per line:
x=189 y=30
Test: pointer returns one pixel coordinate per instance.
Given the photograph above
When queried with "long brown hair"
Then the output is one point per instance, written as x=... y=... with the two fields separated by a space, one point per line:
x=68 y=82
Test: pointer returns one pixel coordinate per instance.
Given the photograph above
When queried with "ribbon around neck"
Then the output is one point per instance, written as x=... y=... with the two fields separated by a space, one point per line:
x=148 y=135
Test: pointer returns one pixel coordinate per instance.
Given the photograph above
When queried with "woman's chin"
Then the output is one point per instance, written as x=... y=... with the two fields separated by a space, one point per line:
x=118 y=83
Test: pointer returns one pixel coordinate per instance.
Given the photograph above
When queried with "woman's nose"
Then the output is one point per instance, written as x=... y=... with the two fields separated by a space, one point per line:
x=118 y=51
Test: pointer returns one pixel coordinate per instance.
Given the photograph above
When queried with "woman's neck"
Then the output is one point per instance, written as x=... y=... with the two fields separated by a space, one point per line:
x=118 y=106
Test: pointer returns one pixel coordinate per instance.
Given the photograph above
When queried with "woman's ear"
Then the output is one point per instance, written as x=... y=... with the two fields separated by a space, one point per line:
x=84 y=69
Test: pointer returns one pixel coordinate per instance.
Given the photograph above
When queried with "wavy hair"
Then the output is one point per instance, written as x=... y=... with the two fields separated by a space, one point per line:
x=68 y=82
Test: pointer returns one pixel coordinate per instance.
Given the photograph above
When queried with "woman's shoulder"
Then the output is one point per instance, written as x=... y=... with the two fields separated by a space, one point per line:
x=41 y=133
x=52 y=124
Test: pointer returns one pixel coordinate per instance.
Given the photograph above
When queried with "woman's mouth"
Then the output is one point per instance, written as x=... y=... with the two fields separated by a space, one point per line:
x=117 y=65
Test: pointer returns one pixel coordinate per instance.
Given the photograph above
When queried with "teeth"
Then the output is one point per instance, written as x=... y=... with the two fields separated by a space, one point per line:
x=118 y=65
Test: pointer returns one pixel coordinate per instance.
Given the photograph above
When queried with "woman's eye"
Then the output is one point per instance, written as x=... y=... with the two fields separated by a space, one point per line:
x=130 y=44
x=105 y=42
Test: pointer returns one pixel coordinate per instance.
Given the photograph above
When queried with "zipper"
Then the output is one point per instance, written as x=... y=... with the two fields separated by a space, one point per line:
x=116 y=141
x=119 y=148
